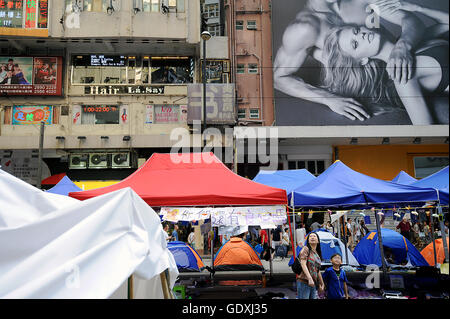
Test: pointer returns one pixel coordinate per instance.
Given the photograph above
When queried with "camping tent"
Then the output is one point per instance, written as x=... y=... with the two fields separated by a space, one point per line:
x=186 y=257
x=341 y=186
x=86 y=250
x=193 y=179
x=22 y=203
x=439 y=181
x=367 y=251
x=428 y=252
x=64 y=187
x=236 y=254
x=404 y=178
x=284 y=179
x=330 y=245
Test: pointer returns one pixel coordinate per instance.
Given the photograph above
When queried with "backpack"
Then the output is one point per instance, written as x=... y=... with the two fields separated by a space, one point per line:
x=296 y=266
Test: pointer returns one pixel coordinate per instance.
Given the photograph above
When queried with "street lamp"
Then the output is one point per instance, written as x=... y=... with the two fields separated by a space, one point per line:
x=205 y=36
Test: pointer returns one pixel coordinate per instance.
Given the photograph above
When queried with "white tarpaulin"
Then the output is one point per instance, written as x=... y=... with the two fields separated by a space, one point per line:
x=21 y=203
x=264 y=216
x=86 y=250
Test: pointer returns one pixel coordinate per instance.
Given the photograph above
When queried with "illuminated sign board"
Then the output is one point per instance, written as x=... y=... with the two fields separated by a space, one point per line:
x=28 y=115
x=99 y=60
x=24 y=14
x=99 y=108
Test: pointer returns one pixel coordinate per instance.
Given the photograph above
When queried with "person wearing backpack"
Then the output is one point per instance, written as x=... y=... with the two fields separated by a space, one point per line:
x=309 y=281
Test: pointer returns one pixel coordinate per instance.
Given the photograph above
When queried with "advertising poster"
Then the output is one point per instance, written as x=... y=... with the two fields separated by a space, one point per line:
x=360 y=62
x=31 y=76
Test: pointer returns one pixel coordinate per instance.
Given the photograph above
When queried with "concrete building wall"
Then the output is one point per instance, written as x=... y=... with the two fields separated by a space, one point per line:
x=252 y=46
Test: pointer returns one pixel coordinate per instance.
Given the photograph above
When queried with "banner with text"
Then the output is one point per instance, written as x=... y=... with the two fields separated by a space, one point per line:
x=263 y=216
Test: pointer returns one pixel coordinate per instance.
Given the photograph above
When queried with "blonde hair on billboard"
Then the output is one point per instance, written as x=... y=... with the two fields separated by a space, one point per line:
x=348 y=77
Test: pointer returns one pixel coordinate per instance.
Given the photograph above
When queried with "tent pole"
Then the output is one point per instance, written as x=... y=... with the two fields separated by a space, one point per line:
x=270 y=253
x=293 y=220
x=130 y=288
x=212 y=255
x=165 y=285
x=290 y=230
x=345 y=239
x=443 y=235
x=380 y=244
x=434 y=243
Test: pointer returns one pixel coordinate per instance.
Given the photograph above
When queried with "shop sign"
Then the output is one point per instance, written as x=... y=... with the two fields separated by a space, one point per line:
x=123 y=89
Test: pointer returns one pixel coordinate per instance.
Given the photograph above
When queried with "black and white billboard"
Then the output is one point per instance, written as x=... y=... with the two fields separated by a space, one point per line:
x=360 y=62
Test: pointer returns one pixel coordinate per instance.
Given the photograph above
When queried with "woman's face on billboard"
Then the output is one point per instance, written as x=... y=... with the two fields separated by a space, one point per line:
x=359 y=42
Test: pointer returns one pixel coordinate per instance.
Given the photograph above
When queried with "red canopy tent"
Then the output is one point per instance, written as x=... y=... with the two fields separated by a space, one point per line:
x=200 y=179
x=53 y=180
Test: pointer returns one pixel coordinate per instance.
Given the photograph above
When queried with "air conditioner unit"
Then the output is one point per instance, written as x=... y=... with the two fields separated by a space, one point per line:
x=120 y=160
x=78 y=161
x=98 y=160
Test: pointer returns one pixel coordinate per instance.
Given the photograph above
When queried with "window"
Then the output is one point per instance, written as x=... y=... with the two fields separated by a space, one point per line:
x=171 y=70
x=253 y=68
x=427 y=165
x=99 y=114
x=214 y=30
x=240 y=69
x=254 y=113
x=96 y=5
x=315 y=167
x=251 y=25
x=239 y=25
x=212 y=10
x=242 y=113
x=103 y=69
x=151 y=5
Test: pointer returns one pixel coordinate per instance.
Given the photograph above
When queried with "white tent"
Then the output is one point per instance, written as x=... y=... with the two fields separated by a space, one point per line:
x=83 y=250
x=21 y=203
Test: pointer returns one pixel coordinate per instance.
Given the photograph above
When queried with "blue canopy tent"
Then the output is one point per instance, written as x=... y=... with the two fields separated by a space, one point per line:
x=404 y=178
x=64 y=187
x=284 y=179
x=397 y=248
x=439 y=181
x=340 y=186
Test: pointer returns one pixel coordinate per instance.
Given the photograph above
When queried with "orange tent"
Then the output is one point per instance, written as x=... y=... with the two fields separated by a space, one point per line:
x=428 y=252
x=237 y=254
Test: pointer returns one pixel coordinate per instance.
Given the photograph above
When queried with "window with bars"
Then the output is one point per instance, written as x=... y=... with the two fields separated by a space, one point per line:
x=315 y=167
x=212 y=10
x=242 y=113
x=214 y=30
x=253 y=68
x=251 y=25
x=254 y=113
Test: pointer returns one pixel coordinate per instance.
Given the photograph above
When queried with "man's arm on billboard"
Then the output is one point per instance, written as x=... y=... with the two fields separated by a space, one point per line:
x=415 y=104
x=401 y=60
x=298 y=38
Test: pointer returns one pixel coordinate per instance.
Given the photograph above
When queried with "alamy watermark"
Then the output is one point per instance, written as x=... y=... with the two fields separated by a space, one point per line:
x=246 y=145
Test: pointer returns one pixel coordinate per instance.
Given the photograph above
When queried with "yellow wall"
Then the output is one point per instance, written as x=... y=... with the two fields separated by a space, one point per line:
x=386 y=161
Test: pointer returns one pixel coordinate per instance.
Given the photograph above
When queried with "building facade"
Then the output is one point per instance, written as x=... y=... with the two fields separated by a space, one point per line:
x=312 y=128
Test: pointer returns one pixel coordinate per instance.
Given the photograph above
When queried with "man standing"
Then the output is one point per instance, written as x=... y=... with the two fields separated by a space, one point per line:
x=306 y=36
x=405 y=228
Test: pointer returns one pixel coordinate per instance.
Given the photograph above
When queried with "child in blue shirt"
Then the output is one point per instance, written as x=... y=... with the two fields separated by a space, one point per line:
x=335 y=279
